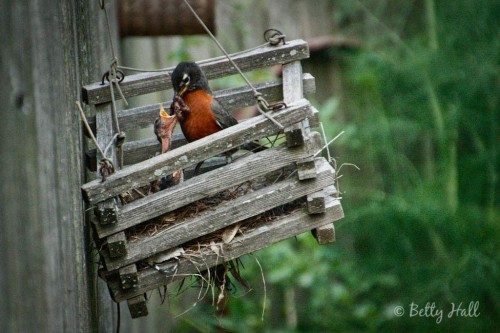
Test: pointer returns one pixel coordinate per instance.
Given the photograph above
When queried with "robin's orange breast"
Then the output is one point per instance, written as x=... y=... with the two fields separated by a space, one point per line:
x=200 y=121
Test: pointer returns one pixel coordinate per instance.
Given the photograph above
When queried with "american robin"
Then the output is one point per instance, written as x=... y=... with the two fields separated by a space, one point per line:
x=199 y=113
x=163 y=127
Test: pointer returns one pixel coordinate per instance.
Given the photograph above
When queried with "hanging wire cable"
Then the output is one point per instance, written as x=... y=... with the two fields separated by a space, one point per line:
x=107 y=166
x=114 y=79
x=261 y=101
x=144 y=70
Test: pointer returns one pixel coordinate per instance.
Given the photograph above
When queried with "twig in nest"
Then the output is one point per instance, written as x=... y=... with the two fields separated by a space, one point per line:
x=265 y=289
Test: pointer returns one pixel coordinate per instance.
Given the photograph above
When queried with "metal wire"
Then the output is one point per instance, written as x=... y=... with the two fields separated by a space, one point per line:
x=261 y=101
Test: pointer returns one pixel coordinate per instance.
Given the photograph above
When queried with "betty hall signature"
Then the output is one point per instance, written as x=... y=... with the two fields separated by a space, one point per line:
x=430 y=310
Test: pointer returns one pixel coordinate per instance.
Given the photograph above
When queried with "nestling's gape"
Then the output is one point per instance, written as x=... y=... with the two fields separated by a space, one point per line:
x=164 y=127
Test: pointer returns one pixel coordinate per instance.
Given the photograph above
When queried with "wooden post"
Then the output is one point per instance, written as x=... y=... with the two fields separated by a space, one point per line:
x=47 y=277
x=306 y=169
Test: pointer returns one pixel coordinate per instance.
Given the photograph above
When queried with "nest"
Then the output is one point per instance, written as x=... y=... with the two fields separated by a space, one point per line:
x=221 y=278
x=163 y=222
x=197 y=248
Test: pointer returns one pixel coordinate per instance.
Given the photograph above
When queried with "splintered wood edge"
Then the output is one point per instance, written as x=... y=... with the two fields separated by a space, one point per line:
x=223 y=215
x=145 y=83
x=154 y=168
x=263 y=236
x=202 y=186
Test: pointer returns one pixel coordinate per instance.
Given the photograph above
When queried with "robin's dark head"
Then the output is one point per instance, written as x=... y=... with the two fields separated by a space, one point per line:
x=188 y=76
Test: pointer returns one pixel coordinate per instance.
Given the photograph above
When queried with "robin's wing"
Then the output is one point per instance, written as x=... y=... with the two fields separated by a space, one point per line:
x=224 y=119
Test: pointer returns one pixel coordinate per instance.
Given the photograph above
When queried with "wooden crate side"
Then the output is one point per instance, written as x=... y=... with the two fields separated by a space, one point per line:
x=223 y=215
x=202 y=186
x=144 y=83
x=154 y=168
x=261 y=237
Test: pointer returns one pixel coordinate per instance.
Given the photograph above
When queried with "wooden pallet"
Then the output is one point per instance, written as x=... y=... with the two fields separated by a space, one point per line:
x=131 y=267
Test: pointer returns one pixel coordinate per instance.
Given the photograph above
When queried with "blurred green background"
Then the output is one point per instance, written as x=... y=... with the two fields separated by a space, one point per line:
x=417 y=97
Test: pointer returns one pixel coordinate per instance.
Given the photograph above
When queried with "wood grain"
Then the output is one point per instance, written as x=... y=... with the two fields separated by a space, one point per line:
x=142 y=173
x=202 y=186
x=144 y=83
x=263 y=236
x=223 y=215
x=117 y=245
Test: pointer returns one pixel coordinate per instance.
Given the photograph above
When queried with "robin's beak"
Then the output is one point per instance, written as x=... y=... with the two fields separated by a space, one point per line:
x=183 y=90
x=167 y=124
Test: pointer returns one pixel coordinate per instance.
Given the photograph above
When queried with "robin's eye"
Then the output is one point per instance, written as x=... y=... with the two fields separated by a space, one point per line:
x=185 y=79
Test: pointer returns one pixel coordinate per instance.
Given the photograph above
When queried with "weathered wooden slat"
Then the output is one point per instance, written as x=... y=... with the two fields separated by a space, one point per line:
x=137 y=151
x=316 y=202
x=253 y=240
x=292 y=91
x=314 y=142
x=202 y=186
x=306 y=168
x=129 y=277
x=294 y=137
x=314 y=119
x=325 y=234
x=140 y=150
x=106 y=210
x=223 y=215
x=145 y=83
x=137 y=306
x=142 y=173
x=117 y=245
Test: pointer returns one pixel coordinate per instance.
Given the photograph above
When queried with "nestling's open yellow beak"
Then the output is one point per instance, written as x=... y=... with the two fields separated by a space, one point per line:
x=167 y=126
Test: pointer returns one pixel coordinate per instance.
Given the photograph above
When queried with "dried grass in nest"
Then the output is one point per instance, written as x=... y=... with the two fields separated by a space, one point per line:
x=165 y=221
x=196 y=247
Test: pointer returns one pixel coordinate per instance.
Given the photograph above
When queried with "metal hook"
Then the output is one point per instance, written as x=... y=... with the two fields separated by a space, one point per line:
x=120 y=76
x=274 y=37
